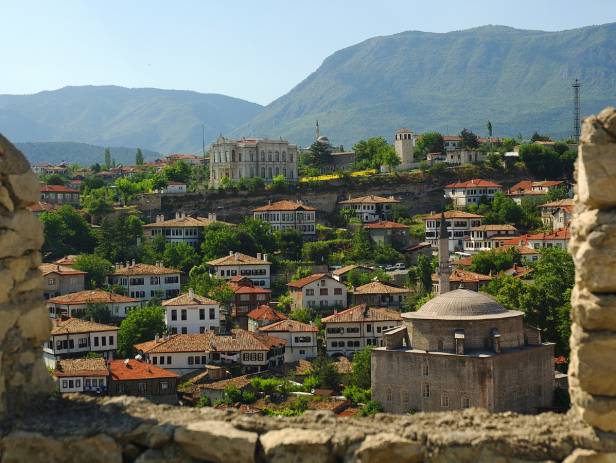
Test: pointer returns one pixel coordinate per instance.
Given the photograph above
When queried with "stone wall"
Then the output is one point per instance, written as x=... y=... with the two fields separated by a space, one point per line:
x=593 y=246
x=121 y=429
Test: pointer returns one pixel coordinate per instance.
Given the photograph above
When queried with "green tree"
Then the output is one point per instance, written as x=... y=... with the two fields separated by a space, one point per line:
x=66 y=232
x=178 y=171
x=290 y=243
x=107 y=156
x=388 y=157
x=55 y=179
x=469 y=139
x=429 y=142
x=424 y=272
x=374 y=152
x=361 y=368
x=319 y=154
x=96 y=203
x=119 y=238
x=326 y=371
x=200 y=280
x=541 y=161
x=301 y=315
x=279 y=184
x=140 y=325
x=557 y=193
x=98 y=313
x=181 y=256
x=96 y=267
x=494 y=261
x=538 y=137
x=316 y=251
x=362 y=246
x=139 y=157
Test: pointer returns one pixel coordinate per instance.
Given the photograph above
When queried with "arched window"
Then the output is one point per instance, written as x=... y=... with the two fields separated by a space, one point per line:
x=388 y=395
x=284 y=172
x=239 y=156
x=269 y=156
x=284 y=156
x=425 y=369
x=232 y=155
x=226 y=156
x=277 y=171
x=290 y=157
x=269 y=172
x=262 y=156
x=276 y=156
x=252 y=155
x=291 y=173
x=262 y=172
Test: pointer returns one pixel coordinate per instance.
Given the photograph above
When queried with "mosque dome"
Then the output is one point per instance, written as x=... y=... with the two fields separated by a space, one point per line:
x=323 y=140
x=461 y=303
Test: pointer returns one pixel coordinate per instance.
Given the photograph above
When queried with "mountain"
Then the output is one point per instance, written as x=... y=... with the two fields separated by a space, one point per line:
x=159 y=120
x=520 y=80
x=57 y=151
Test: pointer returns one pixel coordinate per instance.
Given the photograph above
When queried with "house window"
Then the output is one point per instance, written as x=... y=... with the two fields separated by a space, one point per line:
x=425 y=370
x=111 y=340
x=201 y=314
x=337 y=291
x=444 y=400
x=174 y=314
x=64 y=383
x=184 y=330
x=388 y=395
x=51 y=281
x=466 y=402
x=141 y=387
x=96 y=341
x=164 y=386
x=212 y=314
x=155 y=360
x=405 y=399
x=191 y=360
x=323 y=292
x=425 y=390
x=183 y=314
x=168 y=360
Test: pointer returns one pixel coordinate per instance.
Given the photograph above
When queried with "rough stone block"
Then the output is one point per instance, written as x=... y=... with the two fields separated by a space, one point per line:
x=296 y=445
x=5 y=199
x=20 y=233
x=597 y=411
x=590 y=456
x=34 y=325
x=12 y=161
x=593 y=247
x=20 y=446
x=596 y=171
x=600 y=128
x=96 y=449
x=592 y=361
x=593 y=311
x=389 y=447
x=217 y=441
x=26 y=188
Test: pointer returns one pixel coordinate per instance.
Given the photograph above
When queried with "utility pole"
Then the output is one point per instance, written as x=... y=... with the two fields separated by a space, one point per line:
x=576 y=110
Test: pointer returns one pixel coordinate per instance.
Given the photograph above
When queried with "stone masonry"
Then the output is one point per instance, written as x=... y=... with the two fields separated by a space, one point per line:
x=81 y=429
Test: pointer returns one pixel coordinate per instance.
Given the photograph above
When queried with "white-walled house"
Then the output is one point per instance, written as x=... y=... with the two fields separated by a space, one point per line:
x=190 y=313
x=462 y=194
x=558 y=239
x=61 y=279
x=301 y=338
x=353 y=329
x=370 y=208
x=73 y=304
x=318 y=290
x=283 y=215
x=181 y=229
x=184 y=353
x=73 y=337
x=488 y=237
x=175 y=188
x=459 y=225
x=145 y=282
x=82 y=375
x=557 y=214
x=257 y=269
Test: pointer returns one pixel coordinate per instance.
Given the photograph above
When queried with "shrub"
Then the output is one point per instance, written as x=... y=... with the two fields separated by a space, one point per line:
x=357 y=395
x=204 y=401
x=371 y=408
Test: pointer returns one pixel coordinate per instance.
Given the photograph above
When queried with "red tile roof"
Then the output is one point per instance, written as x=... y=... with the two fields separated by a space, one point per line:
x=57 y=189
x=123 y=370
x=43 y=207
x=291 y=326
x=46 y=269
x=386 y=224
x=77 y=326
x=237 y=258
x=145 y=269
x=348 y=268
x=266 y=313
x=91 y=296
x=454 y=215
x=285 y=205
x=474 y=183
x=464 y=276
x=309 y=279
x=189 y=299
x=370 y=199
x=81 y=367
x=378 y=287
x=522 y=240
x=362 y=313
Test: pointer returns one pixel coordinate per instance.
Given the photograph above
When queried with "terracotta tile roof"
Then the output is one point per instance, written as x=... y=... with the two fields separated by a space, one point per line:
x=525 y=187
x=290 y=326
x=416 y=247
x=344 y=366
x=474 y=183
x=386 y=224
x=69 y=260
x=46 y=269
x=250 y=290
x=57 y=189
x=564 y=203
x=284 y=205
x=452 y=138
x=523 y=250
x=459 y=275
x=522 y=240
x=362 y=313
x=121 y=370
x=77 y=325
x=266 y=313
x=189 y=299
x=348 y=268
x=187 y=222
x=464 y=262
x=495 y=227
x=309 y=279
x=145 y=269
x=41 y=206
x=239 y=382
x=91 y=296
x=81 y=367
x=454 y=215
x=518 y=271
x=239 y=340
x=370 y=199
x=237 y=258
x=378 y=287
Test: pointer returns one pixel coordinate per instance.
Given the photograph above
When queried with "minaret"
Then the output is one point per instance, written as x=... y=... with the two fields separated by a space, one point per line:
x=444 y=272
x=318 y=133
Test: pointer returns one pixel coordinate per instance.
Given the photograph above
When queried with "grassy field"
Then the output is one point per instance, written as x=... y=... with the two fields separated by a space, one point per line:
x=321 y=178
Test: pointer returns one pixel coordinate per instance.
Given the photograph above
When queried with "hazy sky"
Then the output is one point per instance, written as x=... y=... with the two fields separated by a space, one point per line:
x=256 y=50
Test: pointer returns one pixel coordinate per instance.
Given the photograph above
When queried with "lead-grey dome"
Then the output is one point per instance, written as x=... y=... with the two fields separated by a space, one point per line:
x=461 y=303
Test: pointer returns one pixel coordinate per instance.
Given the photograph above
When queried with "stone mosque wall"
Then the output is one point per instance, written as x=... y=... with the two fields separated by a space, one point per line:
x=35 y=427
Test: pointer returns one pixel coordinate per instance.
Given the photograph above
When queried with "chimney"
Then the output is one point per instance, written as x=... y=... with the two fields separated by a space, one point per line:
x=230 y=253
x=265 y=257
x=127 y=264
x=237 y=256
x=259 y=255
x=177 y=215
x=133 y=261
x=191 y=293
x=156 y=339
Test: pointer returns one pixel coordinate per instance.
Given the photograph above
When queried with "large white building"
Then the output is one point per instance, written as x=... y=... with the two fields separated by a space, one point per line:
x=74 y=337
x=459 y=225
x=182 y=229
x=462 y=194
x=257 y=269
x=353 y=329
x=301 y=338
x=318 y=291
x=191 y=313
x=283 y=215
x=145 y=282
x=249 y=158
x=74 y=304
x=488 y=237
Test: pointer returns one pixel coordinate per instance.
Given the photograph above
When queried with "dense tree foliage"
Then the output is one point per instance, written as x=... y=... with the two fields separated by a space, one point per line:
x=429 y=142
x=374 y=153
x=120 y=237
x=361 y=368
x=96 y=267
x=66 y=232
x=469 y=140
x=494 y=261
x=139 y=157
x=200 y=280
x=140 y=325
x=546 y=162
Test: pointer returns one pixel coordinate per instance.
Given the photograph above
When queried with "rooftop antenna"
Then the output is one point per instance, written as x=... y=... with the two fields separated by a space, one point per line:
x=576 y=109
